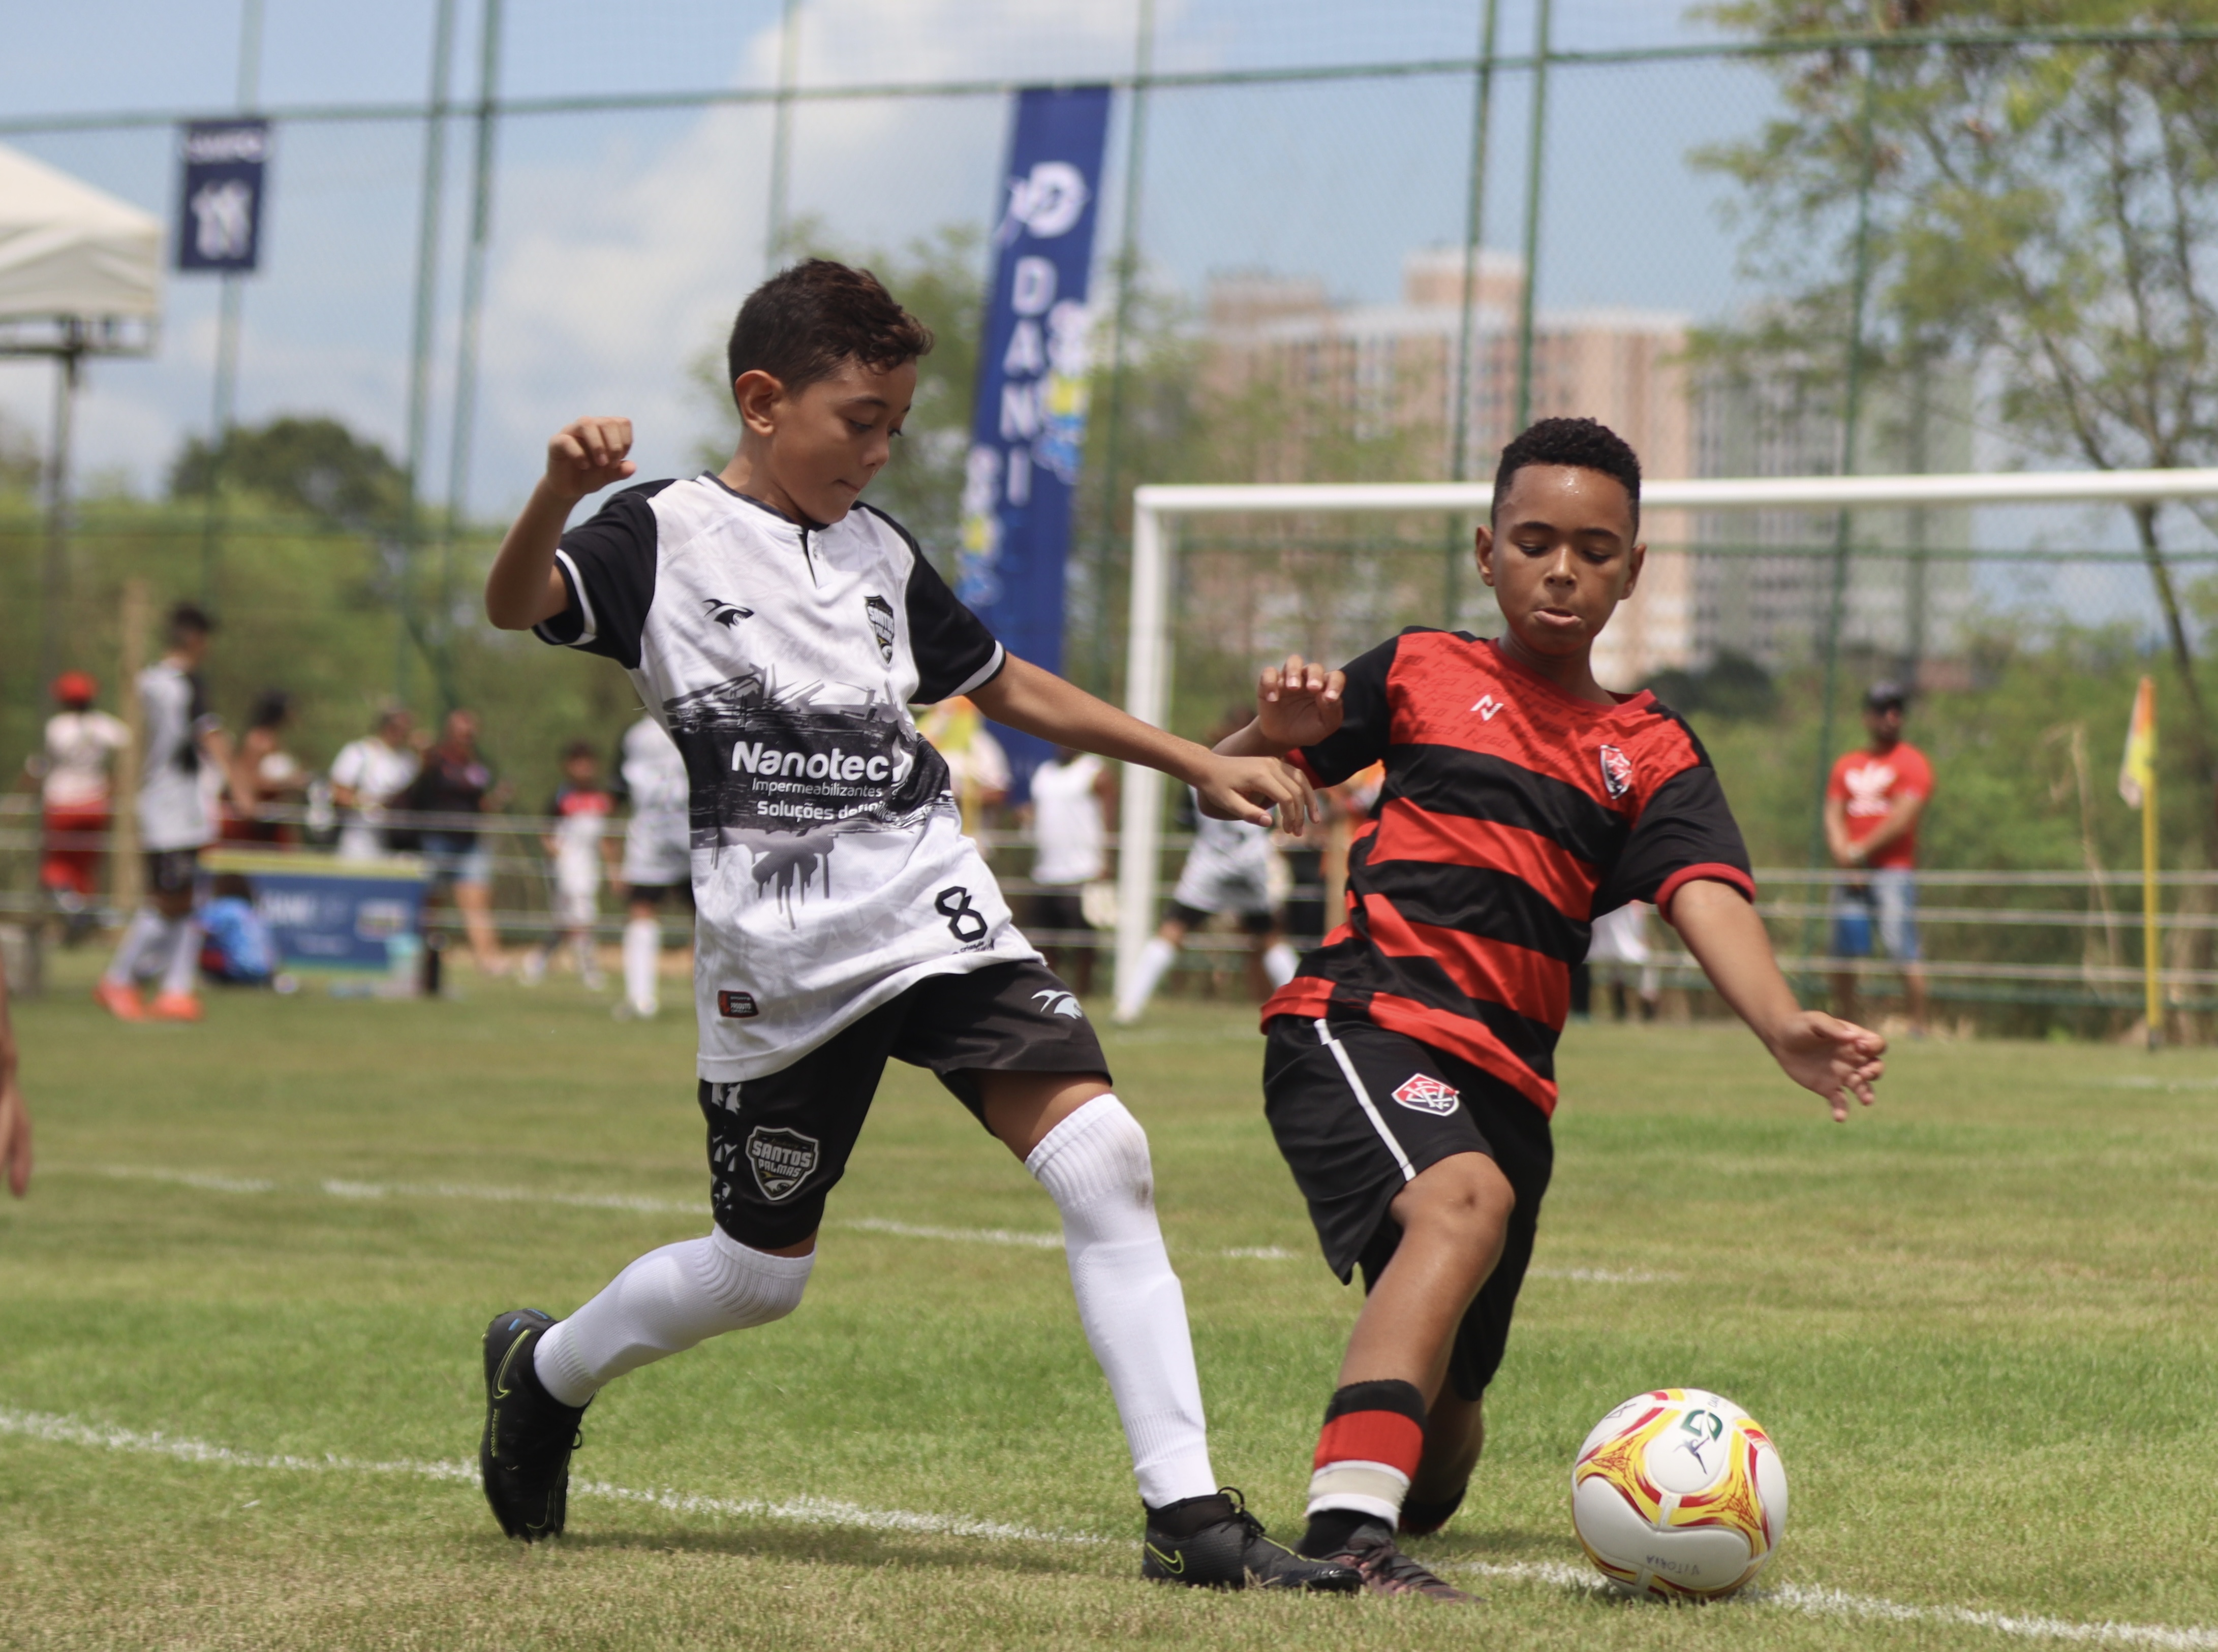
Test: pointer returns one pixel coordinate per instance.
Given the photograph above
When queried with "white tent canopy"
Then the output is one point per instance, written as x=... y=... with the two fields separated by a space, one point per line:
x=67 y=250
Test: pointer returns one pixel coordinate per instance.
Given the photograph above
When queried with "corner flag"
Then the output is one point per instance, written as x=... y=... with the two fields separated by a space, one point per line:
x=2137 y=774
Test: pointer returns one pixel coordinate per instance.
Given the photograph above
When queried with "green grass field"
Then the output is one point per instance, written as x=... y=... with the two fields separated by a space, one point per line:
x=1979 y=1321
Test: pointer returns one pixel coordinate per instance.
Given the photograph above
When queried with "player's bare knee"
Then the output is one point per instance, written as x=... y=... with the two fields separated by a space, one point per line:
x=1465 y=1195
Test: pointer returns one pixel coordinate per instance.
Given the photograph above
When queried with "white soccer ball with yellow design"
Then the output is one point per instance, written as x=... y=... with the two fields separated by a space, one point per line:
x=1678 y=1493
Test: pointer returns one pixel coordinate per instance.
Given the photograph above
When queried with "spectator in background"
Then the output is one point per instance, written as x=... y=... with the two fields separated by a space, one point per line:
x=75 y=795
x=977 y=768
x=239 y=950
x=1619 y=962
x=1228 y=869
x=184 y=741
x=658 y=855
x=367 y=776
x=14 y=1112
x=1068 y=814
x=266 y=782
x=576 y=850
x=1873 y=804
x=453 y=786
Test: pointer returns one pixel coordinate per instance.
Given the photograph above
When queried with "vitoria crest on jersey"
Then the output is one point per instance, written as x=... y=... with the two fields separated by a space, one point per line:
x=780 y=1159
x=1616 y=771
x=881 y=624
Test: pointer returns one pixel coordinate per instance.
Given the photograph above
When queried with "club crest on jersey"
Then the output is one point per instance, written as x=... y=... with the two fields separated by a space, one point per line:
x=780 y=1159
x=1616 y=771
x=1060 y=1004
x=728 y=614
x=737 y=1006
x=882 y=625
x=1420 y=1093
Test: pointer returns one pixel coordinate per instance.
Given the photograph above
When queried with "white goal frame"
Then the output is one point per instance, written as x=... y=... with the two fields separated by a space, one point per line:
x=1156 y=508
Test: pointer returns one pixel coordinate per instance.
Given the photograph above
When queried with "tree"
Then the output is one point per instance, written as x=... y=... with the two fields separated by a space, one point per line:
x=316 y=464
x=2045 y=208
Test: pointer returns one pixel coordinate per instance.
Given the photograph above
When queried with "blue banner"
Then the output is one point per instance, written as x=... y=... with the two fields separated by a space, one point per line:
x=220 y=200
x=331 y=914
x=1033 y=363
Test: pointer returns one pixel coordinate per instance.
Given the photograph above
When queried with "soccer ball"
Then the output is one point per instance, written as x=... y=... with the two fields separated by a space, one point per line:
x=1678 y=1493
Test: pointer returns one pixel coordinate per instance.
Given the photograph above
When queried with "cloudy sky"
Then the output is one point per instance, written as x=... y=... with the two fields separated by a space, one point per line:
x=623 y=240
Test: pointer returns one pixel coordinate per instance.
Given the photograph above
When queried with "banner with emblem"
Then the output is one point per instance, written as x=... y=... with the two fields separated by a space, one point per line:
x=1033 y=362
x=220 y=197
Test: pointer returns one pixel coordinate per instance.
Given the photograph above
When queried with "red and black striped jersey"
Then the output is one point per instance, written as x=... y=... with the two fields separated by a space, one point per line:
x=1512 y=814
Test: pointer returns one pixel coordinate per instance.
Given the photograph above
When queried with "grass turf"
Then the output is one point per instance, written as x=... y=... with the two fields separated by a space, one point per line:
x=1978 y=1321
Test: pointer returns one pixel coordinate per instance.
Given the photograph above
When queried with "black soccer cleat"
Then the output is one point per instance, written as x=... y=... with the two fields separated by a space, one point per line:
x=1225 y=1548
x=1373 y=1554
x=524 y=1458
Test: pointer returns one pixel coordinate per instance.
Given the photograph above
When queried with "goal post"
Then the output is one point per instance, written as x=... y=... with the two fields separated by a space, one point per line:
x=1158 y=508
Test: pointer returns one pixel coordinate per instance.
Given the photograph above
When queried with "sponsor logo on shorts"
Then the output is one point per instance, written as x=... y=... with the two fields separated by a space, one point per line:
x=1420 y=1093
x=738 y=1006
x=1060 y=1004
x=781 y=1160
x=1616 y=771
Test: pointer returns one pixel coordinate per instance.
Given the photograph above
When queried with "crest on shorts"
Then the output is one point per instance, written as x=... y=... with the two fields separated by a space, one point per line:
x=882 y=625
x=781 y=1160
x=1616 y=771
x=1420 y=1093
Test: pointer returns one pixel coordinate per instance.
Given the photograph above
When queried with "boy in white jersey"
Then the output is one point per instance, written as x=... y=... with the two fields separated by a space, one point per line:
x=780 y=632
x=577 y=849
x=658 y=855
x=183 y=739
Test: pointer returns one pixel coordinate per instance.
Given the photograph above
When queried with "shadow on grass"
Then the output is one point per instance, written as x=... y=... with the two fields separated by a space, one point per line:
x=867 y=1551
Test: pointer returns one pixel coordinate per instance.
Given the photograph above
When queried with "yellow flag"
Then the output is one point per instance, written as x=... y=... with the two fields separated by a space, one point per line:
x=2137 y=774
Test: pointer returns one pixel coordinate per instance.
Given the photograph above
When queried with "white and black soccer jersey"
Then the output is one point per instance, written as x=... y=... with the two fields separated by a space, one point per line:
x=830 y=870
x=1227 y=868
x=651 y=777
x=173 y=806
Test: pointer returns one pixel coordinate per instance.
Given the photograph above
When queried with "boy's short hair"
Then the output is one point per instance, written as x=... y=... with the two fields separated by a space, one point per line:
x=577 y=749
x=232 y=885
x=189 y=619
x=800 y=325
x=1587 y=443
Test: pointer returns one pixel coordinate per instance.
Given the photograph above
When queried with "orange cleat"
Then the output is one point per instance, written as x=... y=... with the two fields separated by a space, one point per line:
x=175 y=1007
x=119 y=999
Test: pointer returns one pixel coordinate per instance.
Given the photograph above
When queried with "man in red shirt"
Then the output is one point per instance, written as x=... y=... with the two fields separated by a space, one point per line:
x=1409 y=1065
x=1873 y=803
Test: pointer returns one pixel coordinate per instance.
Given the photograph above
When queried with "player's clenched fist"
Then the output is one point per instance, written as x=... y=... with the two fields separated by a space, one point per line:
x=1299 y=703
x=585 y=457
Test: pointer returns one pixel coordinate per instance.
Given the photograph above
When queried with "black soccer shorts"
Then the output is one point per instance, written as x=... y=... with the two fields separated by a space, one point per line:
x=1359 y=1112
x=172 y=871
x=778 y=1144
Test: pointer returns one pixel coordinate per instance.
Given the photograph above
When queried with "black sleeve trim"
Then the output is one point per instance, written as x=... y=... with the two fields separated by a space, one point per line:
x=954 y=651
x=1686 y=824
x=607 y=564
x=1367 y=717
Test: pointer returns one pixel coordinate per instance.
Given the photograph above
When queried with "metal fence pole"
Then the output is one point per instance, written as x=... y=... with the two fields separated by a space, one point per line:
x=229 y=315
x=1535 y=174
x=1128 y=253
x=1851 y=417
x=781 y=135
x=466 y=346
x=420 y=336
x=1474 y=227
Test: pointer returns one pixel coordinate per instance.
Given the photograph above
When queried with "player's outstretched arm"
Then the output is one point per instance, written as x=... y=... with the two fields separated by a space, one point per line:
x=1024 y=696
x=1297 y=704
x=583 y=457
x=1836 y=1058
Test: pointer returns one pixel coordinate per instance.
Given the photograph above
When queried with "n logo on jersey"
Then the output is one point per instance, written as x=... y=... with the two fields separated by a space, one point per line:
x=1616 y=771
x=1488 y=707
x=881 y=624
x=780 y=1159
x=1420 y=1093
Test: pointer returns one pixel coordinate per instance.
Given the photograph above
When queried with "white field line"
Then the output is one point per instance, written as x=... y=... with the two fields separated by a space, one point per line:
x=53 y=1430
x=1045 y=1241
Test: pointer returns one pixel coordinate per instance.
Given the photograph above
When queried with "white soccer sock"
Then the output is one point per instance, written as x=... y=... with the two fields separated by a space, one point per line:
x=1278 y=962
x=181 y=970
x=664 y=1304
x=1095 y=1166
x=642 y=950
x=1156 y=958
x=148 y=928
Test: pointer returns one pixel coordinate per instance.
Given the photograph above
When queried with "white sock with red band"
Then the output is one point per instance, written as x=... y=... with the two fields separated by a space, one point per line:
x=1094 y=1164
x=664 y=1302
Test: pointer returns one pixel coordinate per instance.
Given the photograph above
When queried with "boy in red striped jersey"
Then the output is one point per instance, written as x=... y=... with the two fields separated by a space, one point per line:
x=1410 y=1073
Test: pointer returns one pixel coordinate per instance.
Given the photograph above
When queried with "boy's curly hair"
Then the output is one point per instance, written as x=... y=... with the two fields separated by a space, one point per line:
x=800 y=325
x=1586 y=442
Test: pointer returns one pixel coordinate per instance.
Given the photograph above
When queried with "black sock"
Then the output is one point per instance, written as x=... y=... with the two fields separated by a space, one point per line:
x=1189 y=1514
x=1329 y=1531
x=1419 y=1517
